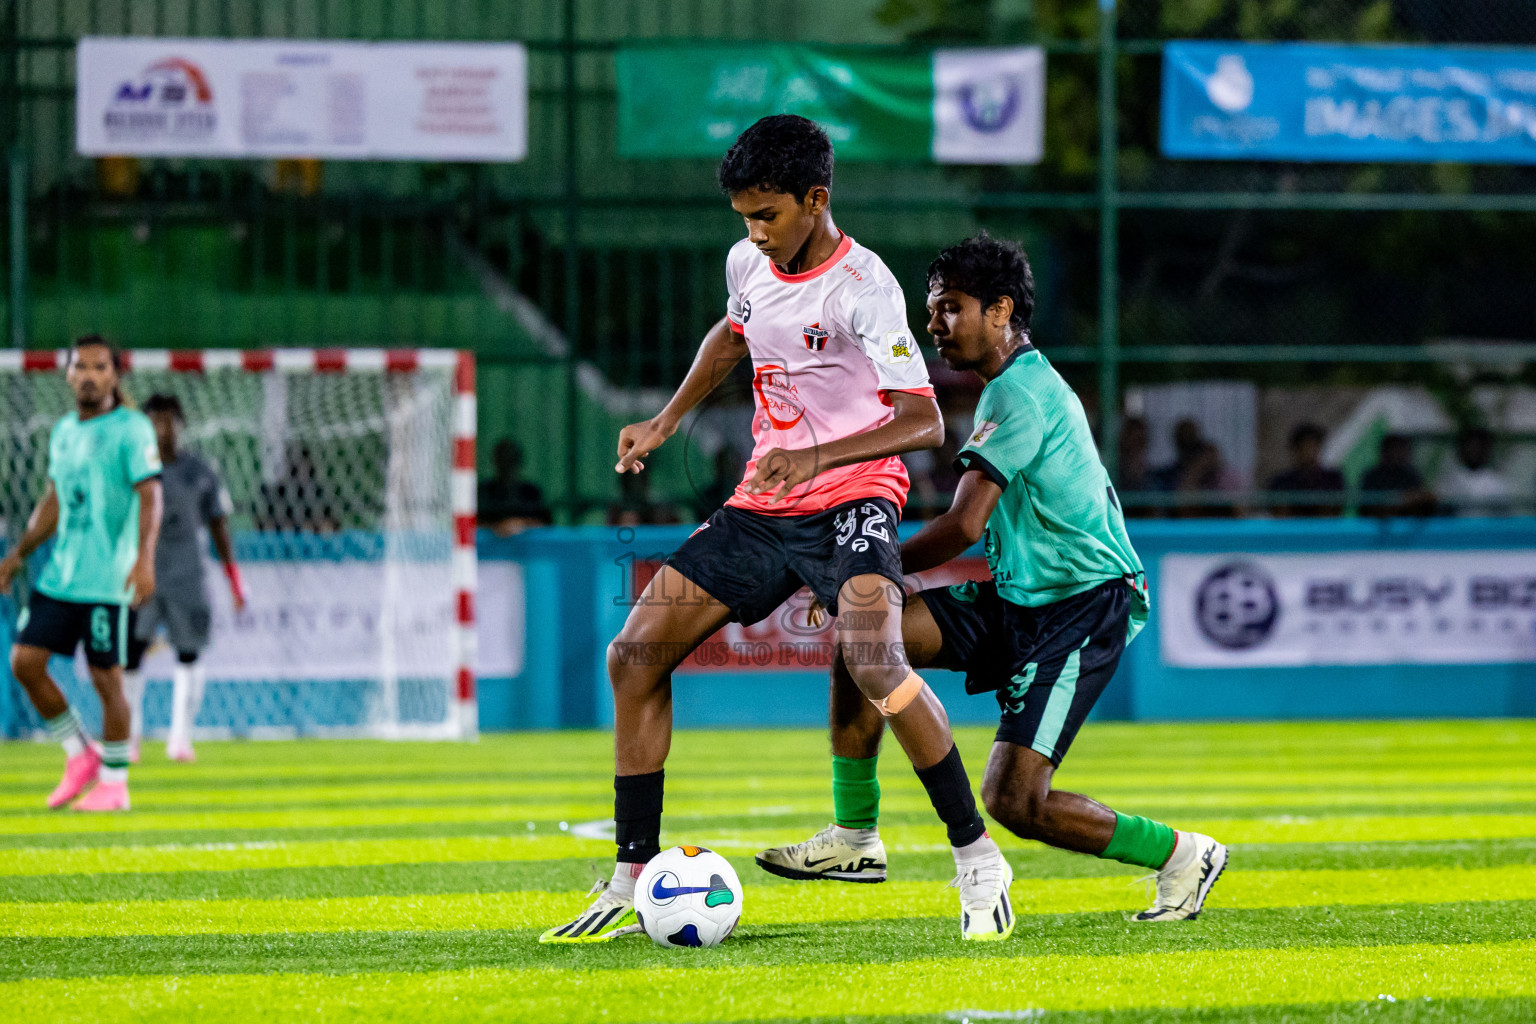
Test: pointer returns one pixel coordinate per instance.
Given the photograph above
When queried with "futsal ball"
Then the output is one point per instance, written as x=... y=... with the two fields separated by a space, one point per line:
x=688 y=896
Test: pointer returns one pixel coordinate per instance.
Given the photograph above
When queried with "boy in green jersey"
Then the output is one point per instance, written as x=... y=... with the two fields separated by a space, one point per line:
x=103 y=501
x=1045 y=633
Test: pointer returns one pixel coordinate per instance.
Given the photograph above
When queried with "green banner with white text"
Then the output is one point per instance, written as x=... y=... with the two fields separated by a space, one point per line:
x=977 y=106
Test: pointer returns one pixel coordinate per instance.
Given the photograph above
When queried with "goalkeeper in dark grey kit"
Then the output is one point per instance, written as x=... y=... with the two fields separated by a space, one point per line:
x=194 y=498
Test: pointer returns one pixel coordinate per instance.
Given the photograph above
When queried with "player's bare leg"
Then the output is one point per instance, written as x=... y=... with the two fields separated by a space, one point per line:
x=111 y=790
x=670 y=620
x=1018 y=795
x=849 y=849
x=30 y=667
x=82 y=764
x=871 y=651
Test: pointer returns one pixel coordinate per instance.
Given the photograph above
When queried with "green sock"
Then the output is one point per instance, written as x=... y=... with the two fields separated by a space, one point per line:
x=1139 y=841
x=855 y=792
x=114 y=753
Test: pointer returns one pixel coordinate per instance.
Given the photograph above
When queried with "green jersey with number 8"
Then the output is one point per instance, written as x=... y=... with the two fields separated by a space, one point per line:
x=95 y=466
x=1057 y=530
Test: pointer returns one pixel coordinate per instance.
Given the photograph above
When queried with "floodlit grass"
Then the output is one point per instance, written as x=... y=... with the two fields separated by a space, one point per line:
x=1381 y=872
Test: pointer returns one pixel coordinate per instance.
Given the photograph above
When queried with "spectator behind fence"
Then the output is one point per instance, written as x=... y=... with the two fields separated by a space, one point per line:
x=1197 y=467
x=1394 y=486
x=1307 y=475
x=635 y=507
x=508 y=503
x=1134 y=473
x=298 y=499
x=1470 y=486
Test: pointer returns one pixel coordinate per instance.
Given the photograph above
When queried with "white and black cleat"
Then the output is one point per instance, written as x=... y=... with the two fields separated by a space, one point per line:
x=1185 y=881
x=840 y=855
x=609 y=917
x=986 y=912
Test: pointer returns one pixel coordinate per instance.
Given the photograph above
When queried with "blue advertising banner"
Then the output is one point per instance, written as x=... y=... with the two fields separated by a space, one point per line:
x=1299 y=101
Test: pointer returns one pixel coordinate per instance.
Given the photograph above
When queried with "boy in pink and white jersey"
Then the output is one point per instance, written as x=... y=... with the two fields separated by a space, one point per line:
x=841 y=392
x=829 y=347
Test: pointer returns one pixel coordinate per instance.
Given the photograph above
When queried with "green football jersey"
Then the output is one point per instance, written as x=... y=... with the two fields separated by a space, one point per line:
x=94 y=467
x=1057 y=530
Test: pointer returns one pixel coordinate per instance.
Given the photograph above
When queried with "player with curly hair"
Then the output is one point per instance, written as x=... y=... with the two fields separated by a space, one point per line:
x=1045 y=633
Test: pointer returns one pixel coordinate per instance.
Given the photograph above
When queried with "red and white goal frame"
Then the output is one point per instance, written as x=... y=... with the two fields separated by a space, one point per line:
x=464 y=716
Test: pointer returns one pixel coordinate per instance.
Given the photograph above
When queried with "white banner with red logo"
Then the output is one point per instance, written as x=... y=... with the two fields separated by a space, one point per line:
x=232 y=98
x=1348 y=608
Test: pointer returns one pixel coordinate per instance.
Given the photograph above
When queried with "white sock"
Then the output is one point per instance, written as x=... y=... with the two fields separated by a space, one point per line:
x=857 y=836
x=181 y=706
x=199 y=685
x=624 y=876
x=133 y=691
x=1183 y=852
x=112 y=775
x=68 y=731
x=983 y=849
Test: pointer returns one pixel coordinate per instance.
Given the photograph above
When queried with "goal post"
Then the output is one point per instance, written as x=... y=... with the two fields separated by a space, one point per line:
x=351 y=478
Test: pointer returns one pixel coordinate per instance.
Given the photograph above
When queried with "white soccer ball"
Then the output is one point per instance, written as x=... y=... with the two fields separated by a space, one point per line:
x=688 y=896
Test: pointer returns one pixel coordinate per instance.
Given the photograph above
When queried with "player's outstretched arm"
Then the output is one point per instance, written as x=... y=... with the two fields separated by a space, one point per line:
x=40 y=526
x=721 y=350
x=957 y=529
x=916 y=425
x=141 y=578
x=218 y=529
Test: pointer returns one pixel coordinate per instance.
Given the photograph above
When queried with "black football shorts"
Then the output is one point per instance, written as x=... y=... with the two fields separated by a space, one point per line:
x=60 y=626
x=753 y=562
x=1047 y=665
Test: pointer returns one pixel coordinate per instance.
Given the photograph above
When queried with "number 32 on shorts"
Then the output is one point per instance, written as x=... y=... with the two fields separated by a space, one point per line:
x=868 y=520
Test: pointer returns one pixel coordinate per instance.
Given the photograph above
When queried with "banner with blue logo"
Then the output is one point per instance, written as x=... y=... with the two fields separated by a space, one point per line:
x=1403 y=607
x=1300 y=101
x=970 y=106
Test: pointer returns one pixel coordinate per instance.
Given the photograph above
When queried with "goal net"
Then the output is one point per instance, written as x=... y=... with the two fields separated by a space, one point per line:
x=351 y=474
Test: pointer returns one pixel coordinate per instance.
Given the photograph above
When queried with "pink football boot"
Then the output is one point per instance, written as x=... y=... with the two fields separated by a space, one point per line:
x=79 y=772
x=106 y=796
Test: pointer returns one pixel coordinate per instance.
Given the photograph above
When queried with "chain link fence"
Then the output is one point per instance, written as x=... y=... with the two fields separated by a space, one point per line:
x=583 y=281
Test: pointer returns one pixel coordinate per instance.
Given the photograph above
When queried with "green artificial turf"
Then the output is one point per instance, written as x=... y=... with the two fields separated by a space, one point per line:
x=1380 y=872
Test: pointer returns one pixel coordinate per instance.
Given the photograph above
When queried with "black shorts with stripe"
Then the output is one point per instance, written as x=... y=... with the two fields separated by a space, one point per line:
x=1047 y=665
x=60 y=626
x=753 y=562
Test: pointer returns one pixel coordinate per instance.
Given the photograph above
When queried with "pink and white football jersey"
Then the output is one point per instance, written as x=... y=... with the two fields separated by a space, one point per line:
x=827 y=346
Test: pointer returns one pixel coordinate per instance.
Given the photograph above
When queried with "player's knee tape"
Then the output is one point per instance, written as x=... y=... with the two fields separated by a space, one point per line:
x=896 y=701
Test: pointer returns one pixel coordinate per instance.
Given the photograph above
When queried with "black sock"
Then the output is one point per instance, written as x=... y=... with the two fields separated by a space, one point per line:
x=637 y=816
x=950 y=790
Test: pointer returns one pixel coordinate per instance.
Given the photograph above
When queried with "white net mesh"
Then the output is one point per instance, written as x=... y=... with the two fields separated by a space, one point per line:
x=343 y=527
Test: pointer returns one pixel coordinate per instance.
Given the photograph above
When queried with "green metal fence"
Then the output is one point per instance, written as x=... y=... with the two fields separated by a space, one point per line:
x=584 y=281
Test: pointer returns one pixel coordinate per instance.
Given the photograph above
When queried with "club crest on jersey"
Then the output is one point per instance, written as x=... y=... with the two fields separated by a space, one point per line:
x=899 y=348
x=815 y=337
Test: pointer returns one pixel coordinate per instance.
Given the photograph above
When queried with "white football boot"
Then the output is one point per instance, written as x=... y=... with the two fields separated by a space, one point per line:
x=832 y=853
x=1185 y=881
x=609 y=916
x=986 y=913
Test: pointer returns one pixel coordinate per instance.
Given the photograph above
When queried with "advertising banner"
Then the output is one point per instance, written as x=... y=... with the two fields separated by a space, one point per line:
x=1348 y=608
x=1299 y=101
x=330 y=620
x=970 y=106
x=233 y=98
